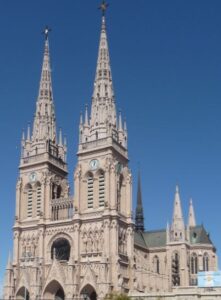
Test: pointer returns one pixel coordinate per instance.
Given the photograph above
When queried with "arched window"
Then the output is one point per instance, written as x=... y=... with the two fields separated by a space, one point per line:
x=60 y=249
x=38 y=199
x=90 y=191
x=156 y=264
x=29 y=201
x=56 y=191
x=101 y=189
x=175 y=269
x=205 y=262
x=194 y=264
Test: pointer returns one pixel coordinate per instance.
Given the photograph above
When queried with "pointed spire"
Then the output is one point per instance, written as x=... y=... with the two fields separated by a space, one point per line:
x=81 y=118
x=86 y=116
x=120 y=126
x=44 y=123
x=139 y=209
x=178 y=227
x=23 y=135
x=60 y=137
x=103 y=103
x=191 y=217
x=125 y=125
x=65 y=141
x=177 y=211
x=29 y=132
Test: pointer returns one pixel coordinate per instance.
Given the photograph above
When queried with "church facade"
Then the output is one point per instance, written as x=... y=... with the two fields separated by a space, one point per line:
x=89 y=245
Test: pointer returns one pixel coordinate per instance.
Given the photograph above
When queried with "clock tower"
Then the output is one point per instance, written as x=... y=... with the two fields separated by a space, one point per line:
x=42 y=182
x=102 y=178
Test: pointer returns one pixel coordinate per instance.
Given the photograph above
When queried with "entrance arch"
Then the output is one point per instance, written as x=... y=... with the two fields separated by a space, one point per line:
x=54 y=291
x=88 y=293
x=23 y=294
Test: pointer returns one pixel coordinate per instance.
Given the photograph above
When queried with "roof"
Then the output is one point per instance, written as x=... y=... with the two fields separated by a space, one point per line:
x=198 y=235
x=157 y=238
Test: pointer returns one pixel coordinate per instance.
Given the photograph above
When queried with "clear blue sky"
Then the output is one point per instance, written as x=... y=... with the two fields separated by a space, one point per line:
x=166 y=64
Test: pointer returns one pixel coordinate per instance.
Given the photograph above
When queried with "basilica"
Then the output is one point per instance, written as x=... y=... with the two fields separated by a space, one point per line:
x=89 y=244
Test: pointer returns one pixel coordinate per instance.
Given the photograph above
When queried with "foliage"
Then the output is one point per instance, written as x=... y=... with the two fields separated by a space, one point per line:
x=117 y=296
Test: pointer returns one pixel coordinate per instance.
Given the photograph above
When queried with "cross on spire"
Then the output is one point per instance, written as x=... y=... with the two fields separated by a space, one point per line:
x=103 y=7
x=46 y=32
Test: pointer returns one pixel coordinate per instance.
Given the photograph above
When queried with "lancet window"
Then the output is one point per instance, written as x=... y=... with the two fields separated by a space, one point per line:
x=175 y=269
x=29 y=201
x=205 y=262
x=101 y=189
x=156 y=264
x=90 y=191
x=38 y=199
x=194 y=264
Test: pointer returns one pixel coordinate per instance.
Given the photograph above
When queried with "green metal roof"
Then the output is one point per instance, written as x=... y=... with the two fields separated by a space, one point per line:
x=157 y=238
x=198 y=235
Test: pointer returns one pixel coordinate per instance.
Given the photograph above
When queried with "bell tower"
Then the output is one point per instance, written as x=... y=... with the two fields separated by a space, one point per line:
x=42 y=181
x=102 y=178
x=105 y=180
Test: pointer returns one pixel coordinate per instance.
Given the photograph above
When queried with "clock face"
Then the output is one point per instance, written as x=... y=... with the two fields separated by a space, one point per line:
x=33 y=176
x=94 y=164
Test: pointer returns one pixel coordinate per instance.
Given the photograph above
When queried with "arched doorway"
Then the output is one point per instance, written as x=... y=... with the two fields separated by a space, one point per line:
x=88 y=293
x=23 y=294
x=59 y=295
x=54 y=291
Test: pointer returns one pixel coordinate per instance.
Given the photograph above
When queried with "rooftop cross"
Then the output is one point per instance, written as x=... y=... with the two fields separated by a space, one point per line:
x=103 y=7
x=46 y=32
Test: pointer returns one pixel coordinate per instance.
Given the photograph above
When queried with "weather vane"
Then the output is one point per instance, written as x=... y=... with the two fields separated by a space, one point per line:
x=46 y=32
x=103 y=7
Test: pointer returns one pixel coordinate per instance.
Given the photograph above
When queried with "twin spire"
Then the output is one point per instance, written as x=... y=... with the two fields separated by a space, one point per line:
x=177 y=231
x=103 y=121
x=44 y=121
x=44 y=137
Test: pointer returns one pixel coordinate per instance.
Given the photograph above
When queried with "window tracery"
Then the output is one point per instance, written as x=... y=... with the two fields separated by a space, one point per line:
x=205 y=262
x=90 y=191
x=194 y=264
x=156 y=264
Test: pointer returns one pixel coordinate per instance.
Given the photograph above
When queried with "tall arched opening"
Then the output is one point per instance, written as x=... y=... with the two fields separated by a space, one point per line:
x=54 y=291
x=23 y=294
x=88 y=293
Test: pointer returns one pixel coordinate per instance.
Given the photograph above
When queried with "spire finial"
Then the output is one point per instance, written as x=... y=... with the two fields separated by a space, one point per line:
x=103 y=7
x=46 y=32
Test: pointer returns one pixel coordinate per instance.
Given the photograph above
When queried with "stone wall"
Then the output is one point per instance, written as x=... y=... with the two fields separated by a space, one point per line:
x=188 y=293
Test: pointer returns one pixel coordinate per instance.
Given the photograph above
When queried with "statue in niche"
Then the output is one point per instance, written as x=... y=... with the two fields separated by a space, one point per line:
x=84 y=242
x=89 y=243
x=96 y=244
